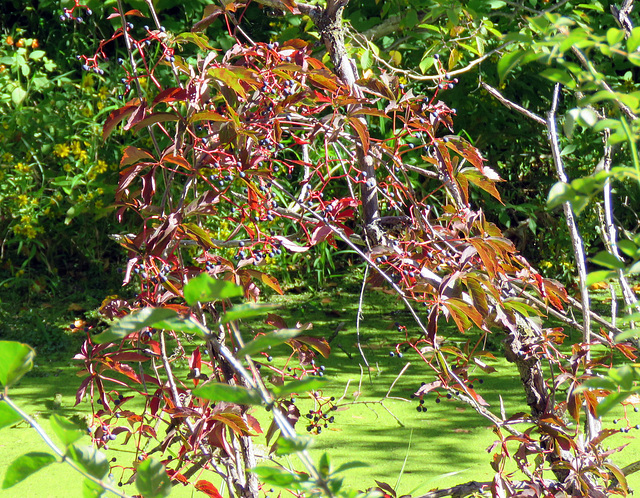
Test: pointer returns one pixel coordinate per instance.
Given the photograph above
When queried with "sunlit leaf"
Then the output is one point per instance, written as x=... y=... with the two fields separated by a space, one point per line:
x=16 y=359
x=8 y=415
x=262 y=342
x=233 y=394
x=204 y=288
x=132 y=323
x=608 y=260
x=298 y=386
x=67 y=431
x=287 y=446
x=25 y=465
x=508 y=63
x=90 y=459
x=152 y=480
x=247 y=310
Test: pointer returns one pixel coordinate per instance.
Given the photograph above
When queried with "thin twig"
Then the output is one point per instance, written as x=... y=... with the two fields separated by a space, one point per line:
x=358 y=318
x=592 y=423
x=512 y=105
x=45 y=437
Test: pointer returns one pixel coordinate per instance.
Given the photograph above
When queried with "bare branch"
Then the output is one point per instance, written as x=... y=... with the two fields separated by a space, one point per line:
x=512 y=105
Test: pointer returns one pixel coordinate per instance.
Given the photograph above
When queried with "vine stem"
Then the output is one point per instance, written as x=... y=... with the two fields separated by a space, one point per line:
x=35 y=426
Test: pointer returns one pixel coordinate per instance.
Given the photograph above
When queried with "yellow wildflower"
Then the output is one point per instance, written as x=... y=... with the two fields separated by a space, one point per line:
x=61 y=150
x=76 y=147
x=99 y=204
x=7 y=157
x=22 y=200
x=101 y=167
x=67 y=167
x=23 y=168
x=87 y=112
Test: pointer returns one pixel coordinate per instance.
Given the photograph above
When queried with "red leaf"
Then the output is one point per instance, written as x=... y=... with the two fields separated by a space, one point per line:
x=276 y=320
x=211 y=12
x=158 y=117
x=291 y=246
x=117 y=116
x=196 y=359
x=208 y=488
x=320 y=345
x=174 y=475
x=267 y=280
x=362 y=131
x=180 y=161
x=133 y=155
x=170 y=95
x=321 y=233
x=128 y=356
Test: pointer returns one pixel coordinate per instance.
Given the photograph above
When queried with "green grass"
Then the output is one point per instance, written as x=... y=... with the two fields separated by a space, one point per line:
x=442 y=447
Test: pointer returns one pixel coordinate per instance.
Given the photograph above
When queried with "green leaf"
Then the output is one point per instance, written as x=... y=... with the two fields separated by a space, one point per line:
x=152 y=480
x=633 y=317
x=559 y=194
x=570 y=121
x=246 y=310
x=628 y=247
x=350 y=465
x=608 y=260
x=37 y=55
x=16 y=359
x=496 y=4
x=298 y=386
x=599 y=276
x=366 y=60
x=627 y=334
x=634 y=58
x=25 y=465
x=425 y=64
x=280 y=477
x=8 y=416
x=324 y=466
x=288 y=446
x=610 y=402
x=232 y=394
x=92 y=489
x=187 y=326
x=18 y=94
x=633 y=42
x=90 y=459
x=204 y=288
x=614 y=36
x=558 y=75
x=133 y=322
x=67 y=431
x=508 y=62
x=598 y=383
x=271 y=339
x=567 y=150
x=623 y=376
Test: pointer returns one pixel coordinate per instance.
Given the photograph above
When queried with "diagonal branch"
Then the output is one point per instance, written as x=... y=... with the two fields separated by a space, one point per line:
x=512 y=105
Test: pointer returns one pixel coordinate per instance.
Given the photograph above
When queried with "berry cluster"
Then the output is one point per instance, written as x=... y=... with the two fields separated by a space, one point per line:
x=321 y=417
x=71 y=14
